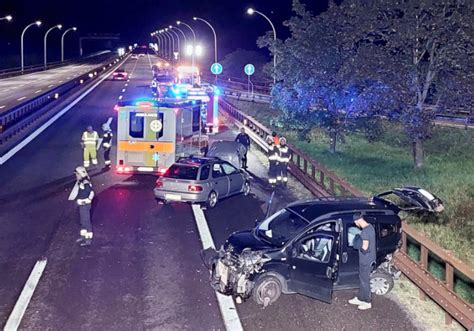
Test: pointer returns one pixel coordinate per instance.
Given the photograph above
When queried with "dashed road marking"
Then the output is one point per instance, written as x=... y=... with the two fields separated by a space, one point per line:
x=120 y=97
x=123 y=90
x=19 y=99
x=18 y=311
x=226 y=303
x=51 y=85
x=37 y=91
x=3 y=106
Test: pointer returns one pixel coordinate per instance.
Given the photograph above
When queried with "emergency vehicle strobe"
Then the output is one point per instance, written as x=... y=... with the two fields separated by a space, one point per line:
x=152 y=134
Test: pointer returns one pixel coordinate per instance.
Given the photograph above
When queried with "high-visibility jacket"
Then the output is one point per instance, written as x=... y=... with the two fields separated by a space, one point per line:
x=85 y=193
x=107 y=140
x=284 y=154
x=90 y=139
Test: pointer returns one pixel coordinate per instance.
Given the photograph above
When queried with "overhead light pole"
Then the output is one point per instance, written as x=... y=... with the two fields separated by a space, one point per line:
x=194 y=45
x=165 y=43
x=37 y=23
x=45 y=40
x=62 y=41
x=252 y=11
x=7 y=18
x=177 y=37
x=213 y=31
x=184 y=37
x=170 y=42
x=167 y=31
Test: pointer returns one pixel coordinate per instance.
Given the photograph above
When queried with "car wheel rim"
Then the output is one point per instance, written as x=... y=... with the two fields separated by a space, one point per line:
x=268 y=292
x=246 y=188
x=379 y=285
x=212 y=199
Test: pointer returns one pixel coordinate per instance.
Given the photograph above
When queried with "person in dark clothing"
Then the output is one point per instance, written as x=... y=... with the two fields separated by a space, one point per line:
x=272 y=162
x=107 y=144
x=283 y=160
x=244 y=139
x=83 y=194
x=365 y=243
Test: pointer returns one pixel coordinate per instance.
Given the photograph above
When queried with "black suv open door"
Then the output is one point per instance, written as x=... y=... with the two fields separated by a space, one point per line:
x=313 y=264
x=412 y=199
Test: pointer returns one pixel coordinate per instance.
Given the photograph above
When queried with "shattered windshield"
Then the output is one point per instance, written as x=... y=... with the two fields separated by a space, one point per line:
x=280 y=227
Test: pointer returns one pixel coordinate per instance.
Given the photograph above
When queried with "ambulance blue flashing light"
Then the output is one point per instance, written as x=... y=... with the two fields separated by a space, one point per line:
x=217 y=92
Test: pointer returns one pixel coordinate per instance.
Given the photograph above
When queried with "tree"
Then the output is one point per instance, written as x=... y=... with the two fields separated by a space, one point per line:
x=427 y=46
x=233 y=64
x=318 y=84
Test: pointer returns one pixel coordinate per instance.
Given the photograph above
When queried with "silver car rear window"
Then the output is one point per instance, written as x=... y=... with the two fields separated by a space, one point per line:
x=180 y=171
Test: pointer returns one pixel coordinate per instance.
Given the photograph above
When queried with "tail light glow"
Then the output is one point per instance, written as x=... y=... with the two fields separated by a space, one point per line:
x=159 y=184
x=194 y=188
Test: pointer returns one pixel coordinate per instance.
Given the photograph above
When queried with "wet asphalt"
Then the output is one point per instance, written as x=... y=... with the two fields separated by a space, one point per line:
x=143 y=271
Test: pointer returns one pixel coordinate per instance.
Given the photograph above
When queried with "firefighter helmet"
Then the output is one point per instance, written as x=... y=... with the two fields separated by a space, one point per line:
x=106 y=127
x=269 y=140
x=283 y=140
x=82 y=172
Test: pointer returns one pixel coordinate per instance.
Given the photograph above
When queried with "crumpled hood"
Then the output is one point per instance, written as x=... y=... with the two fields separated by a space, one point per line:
x=246 y=239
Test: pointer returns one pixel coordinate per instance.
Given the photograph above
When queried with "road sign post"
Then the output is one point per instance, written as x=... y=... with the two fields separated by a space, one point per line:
x=216 y=69
x=249 y=70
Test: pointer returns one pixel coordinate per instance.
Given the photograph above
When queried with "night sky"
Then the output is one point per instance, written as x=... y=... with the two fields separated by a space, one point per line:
x=134 y=20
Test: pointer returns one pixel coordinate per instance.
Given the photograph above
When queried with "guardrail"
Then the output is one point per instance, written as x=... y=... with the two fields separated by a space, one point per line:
x=11 y=72
x=18 y=118
x=323 y=182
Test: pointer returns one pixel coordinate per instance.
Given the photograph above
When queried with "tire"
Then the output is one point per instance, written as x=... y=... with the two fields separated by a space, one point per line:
x=267 y=290
x=212 y=200
x=246 y=188
x=381 y=283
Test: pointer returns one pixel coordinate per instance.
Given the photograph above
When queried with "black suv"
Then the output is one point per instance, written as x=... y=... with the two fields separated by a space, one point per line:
x=307 y=247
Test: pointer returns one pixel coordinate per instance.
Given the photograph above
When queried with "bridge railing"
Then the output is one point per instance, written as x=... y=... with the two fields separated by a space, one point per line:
x=322 y=182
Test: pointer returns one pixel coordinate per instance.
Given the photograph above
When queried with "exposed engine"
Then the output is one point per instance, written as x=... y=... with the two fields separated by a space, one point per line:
x=231 y=273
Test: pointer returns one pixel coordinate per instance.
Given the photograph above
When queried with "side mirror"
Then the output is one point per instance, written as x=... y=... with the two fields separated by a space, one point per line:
x=329 y=272
x=294 y=252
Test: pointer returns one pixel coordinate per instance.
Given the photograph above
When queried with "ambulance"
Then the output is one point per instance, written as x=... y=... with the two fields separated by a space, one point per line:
x=152 y=134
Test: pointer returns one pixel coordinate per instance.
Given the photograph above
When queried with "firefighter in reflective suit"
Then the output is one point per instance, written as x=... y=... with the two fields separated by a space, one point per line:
x=89 y=142
x=283 y=160
x=272 y=161
x=83 y=194
x=107 y=143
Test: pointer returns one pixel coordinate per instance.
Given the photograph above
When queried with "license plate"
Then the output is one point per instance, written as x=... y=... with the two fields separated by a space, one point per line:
x=172 y=197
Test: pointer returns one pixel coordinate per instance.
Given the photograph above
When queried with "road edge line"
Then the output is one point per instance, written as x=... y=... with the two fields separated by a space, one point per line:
x=26 y=294
x=8 y=155
x=226 y=303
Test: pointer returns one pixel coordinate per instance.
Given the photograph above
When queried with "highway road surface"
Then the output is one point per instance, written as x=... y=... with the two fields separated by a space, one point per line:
x=19 y=89
x=143 y=270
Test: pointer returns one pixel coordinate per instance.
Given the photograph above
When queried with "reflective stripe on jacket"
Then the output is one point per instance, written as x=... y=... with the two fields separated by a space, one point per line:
x=90 y=138
x=284 y=155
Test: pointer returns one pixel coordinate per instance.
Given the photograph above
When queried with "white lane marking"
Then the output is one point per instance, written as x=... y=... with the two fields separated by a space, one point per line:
x=37 y=91
x=123 y=90
x=18 y=311
x=51 y=85
x=120 y=97
x=35 y=134
x=19 y=99
x=126 y=84
x=3 y=106
x=226 y=303
x=60 y=81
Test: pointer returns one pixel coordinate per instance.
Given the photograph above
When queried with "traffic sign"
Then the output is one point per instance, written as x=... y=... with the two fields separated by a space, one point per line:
x=249 y=69
x=216 y=68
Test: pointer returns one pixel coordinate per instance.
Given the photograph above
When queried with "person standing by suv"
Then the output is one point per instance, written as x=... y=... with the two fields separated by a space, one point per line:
x=365 y=243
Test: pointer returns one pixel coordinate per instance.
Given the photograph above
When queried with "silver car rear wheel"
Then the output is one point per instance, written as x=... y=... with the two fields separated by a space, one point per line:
x=246 y=189
x=212 y=199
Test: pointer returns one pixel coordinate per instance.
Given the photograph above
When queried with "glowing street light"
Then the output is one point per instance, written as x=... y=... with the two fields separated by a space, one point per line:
x=194 y=45
x=252 y=11
x=62 y=41
x=8 y=18
x=59 y=27
x=37 y=23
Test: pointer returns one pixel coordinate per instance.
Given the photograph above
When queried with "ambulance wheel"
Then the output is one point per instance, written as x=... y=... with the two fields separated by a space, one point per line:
x=211 y=200
x=267 y=290
x=381 y=283
x=246 y=189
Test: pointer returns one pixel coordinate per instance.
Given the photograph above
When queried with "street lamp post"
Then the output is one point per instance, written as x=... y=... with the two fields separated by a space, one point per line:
x=251 y=11
x=194 y=46
x=167 y=31
x=215 y=37
x=59 y=26
x=62 y=41
x=184 y=37
x=8 y=18
x=177 y=37
x=158 y=38
x=37 y=23
x=165 y=43
x=170 y=43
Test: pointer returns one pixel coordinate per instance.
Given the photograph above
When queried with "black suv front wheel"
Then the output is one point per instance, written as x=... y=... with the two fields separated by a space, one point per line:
x=267 y=290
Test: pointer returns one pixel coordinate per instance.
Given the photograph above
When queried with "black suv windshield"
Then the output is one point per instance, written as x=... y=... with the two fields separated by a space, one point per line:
x=280 y=227
x=181 y=171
